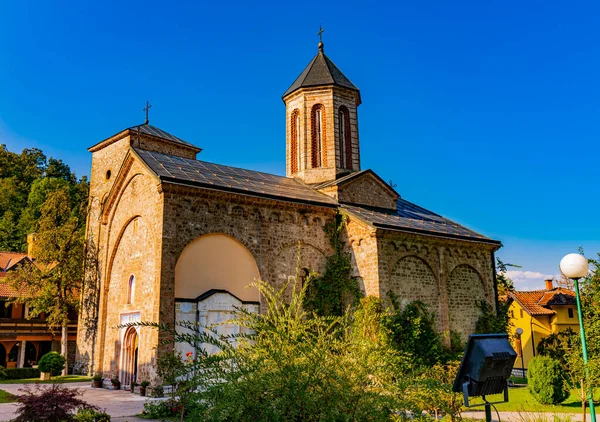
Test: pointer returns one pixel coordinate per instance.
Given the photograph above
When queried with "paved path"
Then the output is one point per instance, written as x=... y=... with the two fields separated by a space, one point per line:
x=516 y=417
x=120 y=404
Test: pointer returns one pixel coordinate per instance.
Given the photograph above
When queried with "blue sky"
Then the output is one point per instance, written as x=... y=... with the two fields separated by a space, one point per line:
x=485 y=112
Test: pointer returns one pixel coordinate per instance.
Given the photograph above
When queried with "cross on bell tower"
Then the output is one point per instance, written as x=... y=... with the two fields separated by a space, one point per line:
x=320 y=34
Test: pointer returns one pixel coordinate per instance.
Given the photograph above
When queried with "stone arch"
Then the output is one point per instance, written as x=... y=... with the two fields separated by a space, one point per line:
x=412 y=278
x=112 y=207
x=115 y=248
x=465 y=293
x=216 y=262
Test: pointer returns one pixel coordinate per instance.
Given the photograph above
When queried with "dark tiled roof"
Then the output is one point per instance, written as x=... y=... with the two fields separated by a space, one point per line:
x=320 y=72
x=214 y=176
x=412 y=218
x=147 y=129
x=341 y=180
x=535 y=302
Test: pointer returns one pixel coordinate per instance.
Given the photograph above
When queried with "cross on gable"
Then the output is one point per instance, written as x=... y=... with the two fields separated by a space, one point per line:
x=147 y=109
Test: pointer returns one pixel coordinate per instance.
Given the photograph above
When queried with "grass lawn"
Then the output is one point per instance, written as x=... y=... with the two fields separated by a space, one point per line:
x=59 y=379
x=519 y=399
x=6 y=397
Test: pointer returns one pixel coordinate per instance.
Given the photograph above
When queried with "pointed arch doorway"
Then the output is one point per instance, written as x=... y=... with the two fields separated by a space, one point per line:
x=129 y=358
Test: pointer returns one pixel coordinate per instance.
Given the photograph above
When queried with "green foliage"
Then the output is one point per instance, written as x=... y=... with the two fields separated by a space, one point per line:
x=331 y=292
x=557 y=346
x=97 y=377
x=432 y=391
x=504 y=284
x=413 y=331
x=490 y=322
x=52 y=362
x=21 y=373
x=91 y=415
x=546 y=380
x=22 y=195
x=161 y=409
x=295 y=365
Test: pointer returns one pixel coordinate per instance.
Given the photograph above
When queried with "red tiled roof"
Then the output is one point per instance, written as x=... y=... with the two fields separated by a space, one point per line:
x=537 y=302
x=9 y=259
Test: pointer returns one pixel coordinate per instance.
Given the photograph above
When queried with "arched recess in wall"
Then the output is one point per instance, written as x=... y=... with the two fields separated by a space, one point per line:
x=216 y=262
x=296 y=150
x=465 y=293
x=413 y=279
x=318 y=146
x=344 y=138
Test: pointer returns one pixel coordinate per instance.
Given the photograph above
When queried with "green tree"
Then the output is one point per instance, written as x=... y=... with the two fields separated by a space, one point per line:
x=53 y=282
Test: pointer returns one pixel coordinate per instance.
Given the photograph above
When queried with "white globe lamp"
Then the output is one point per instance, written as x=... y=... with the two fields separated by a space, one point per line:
x=574 y=266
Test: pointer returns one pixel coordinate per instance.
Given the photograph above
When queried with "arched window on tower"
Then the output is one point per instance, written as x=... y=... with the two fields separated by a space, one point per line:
x=318 y=148
x=295 y=142
x=131 y=289
x=345 y=139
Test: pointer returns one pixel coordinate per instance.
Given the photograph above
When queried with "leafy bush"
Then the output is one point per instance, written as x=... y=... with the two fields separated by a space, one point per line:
x=161 y=409
x=546 y=380
x=52 y=362
x=91 y=415
x=413 y=331
x=21 y=373
x=51 y=404
x=298 y=365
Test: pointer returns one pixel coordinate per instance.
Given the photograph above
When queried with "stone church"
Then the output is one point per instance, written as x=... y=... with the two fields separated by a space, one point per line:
x=173 y=237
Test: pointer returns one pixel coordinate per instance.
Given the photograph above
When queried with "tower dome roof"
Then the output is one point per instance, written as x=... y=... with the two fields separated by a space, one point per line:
x=321 y=71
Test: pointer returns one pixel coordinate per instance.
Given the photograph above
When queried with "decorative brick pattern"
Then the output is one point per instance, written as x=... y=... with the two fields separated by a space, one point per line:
x=346 y=141
x=465 y=293
x=413 y=279
x=295 y=140
x=318 y=143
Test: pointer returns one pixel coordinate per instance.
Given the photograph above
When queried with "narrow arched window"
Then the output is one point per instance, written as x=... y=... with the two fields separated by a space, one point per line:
x=345 y=138
x=318 y=147
x=131 y=289
x=295 y=141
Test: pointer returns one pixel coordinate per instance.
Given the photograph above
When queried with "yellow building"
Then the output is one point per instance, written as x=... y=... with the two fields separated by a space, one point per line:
x=540 y=313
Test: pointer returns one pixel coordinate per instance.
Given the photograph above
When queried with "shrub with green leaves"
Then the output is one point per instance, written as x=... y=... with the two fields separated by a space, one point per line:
x=91 y=415
x=546 y=380
x=52 y=362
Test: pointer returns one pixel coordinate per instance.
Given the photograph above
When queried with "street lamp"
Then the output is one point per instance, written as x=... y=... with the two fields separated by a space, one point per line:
x=575 y=266
x=519 y=334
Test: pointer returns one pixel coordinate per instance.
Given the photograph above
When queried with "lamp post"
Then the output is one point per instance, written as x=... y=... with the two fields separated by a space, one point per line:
x=519 y=334
x=575 y=266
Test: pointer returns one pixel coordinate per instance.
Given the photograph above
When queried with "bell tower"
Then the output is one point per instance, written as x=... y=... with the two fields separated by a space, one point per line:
x=321 y=123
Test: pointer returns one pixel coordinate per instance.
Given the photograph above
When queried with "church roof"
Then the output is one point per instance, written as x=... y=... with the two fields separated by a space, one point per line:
x=321 y=71
x=412 y=218
x=247 y=182
x=146 y=130
x=408 y=217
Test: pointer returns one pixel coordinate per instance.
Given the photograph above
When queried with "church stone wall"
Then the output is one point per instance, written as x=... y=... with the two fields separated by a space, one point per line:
x=110 y=158
x=348 y=98
x=409 y=264
x=366 y=190
x=465 y=293
x=361 y=243
x=270 y=230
